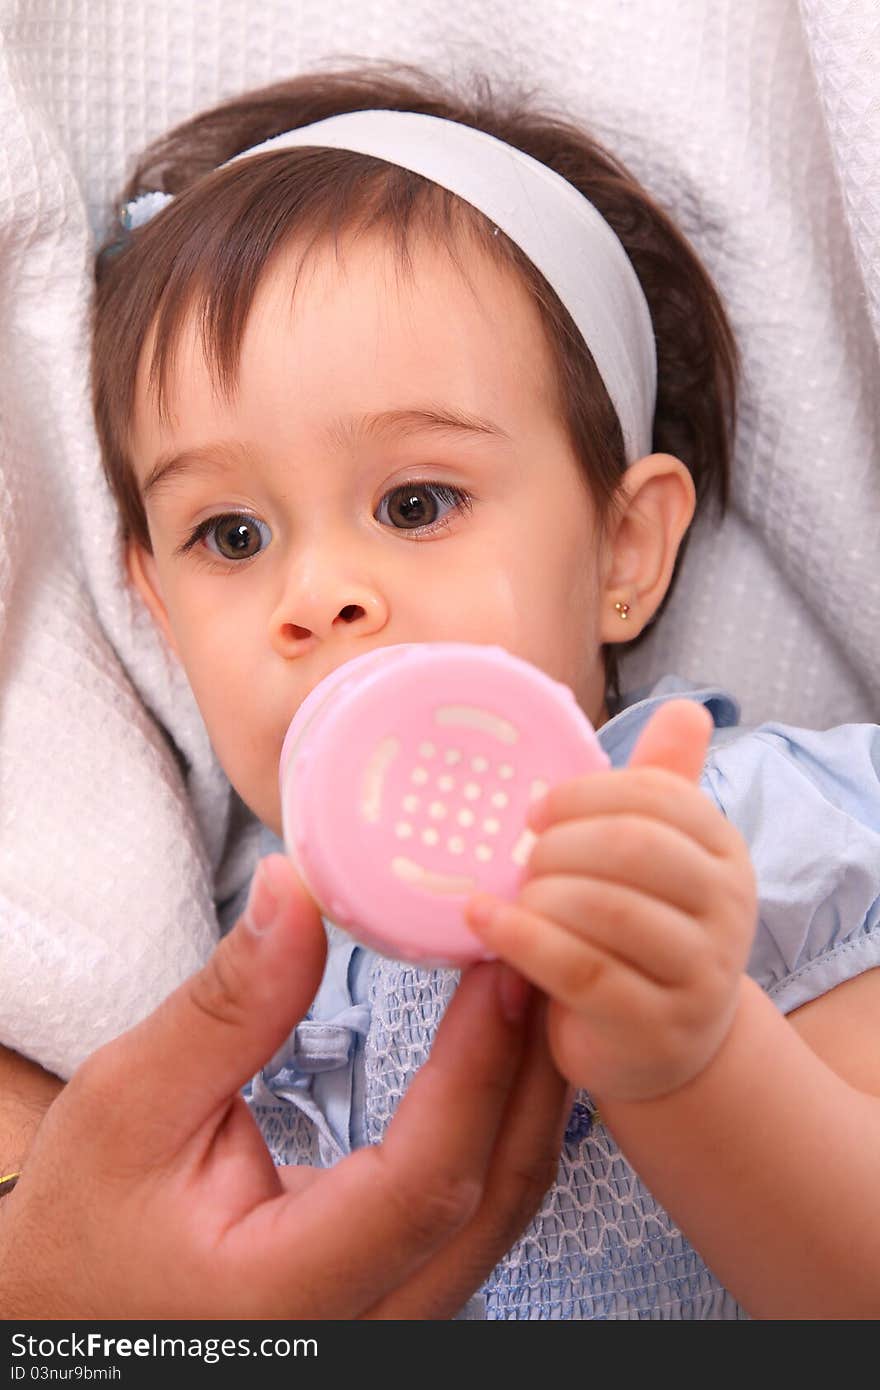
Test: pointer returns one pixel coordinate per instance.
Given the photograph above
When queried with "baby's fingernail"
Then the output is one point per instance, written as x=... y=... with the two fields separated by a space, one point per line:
x=480 y=909
x=262 y=904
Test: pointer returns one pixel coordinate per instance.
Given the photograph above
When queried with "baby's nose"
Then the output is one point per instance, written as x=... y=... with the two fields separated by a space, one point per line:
x=315 y=617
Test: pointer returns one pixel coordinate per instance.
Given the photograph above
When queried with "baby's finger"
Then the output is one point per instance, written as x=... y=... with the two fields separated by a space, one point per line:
x=656 y=940
x=650 y=792
x=558 y=960
x=644 y=855
x=675 y=738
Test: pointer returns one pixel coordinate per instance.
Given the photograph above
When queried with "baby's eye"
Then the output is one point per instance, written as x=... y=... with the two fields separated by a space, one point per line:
x=417 y=506
x=235 y=536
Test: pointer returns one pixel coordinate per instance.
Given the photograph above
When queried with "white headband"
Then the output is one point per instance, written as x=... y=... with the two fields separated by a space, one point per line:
x=562 y=234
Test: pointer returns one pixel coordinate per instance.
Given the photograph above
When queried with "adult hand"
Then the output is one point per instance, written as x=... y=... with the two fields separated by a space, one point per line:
x=149 y=1192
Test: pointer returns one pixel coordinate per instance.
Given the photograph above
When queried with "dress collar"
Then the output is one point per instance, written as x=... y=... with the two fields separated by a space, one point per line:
x=619 y=734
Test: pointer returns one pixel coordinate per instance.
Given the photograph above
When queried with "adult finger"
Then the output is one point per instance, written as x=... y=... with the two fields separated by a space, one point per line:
x=381 y=1213
x=213 y=1033
x=524 y=1164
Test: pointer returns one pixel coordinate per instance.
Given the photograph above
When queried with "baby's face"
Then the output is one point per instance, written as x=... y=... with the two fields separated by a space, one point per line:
x=392 y=468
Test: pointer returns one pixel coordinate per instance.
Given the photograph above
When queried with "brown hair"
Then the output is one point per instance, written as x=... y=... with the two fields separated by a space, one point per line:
x=212 y=245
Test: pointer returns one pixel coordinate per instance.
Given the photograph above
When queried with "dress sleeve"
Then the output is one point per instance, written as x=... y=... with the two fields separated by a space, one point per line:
x=808 y=805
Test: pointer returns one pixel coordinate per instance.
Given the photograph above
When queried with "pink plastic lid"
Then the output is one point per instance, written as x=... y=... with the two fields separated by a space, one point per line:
x=406 y=776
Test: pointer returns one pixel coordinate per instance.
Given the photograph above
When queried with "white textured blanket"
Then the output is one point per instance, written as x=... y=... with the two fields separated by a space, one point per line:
x=757 y=122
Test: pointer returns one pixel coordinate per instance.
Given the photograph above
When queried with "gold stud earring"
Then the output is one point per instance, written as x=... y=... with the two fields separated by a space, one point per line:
x=622 y=610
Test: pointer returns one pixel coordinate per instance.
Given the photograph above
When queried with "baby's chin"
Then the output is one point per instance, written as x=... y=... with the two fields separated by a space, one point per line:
x=272 y=819
x=264 y=804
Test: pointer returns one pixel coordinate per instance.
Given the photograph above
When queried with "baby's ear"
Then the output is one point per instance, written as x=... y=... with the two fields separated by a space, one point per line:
x=656 y=500
x=144 y=575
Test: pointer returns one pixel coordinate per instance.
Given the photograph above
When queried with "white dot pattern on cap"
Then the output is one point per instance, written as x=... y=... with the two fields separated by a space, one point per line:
x=446 y=803
x=450 y=792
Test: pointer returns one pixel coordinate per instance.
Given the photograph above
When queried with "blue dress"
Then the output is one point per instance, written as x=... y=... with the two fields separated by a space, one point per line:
x=808 y=805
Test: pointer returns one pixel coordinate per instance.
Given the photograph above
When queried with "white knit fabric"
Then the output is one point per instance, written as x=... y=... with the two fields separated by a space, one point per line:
x=755 y=123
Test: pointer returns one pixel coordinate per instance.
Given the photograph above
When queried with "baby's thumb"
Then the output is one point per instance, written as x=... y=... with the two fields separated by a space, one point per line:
x=223 y=1024
x=676 y=738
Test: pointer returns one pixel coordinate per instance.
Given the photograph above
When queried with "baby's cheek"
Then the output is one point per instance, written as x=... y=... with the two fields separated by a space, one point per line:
x=247 y=756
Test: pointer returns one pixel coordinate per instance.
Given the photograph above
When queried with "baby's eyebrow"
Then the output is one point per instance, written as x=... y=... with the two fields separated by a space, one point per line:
x=206 y=458
x=413 y=420
x=345 y=430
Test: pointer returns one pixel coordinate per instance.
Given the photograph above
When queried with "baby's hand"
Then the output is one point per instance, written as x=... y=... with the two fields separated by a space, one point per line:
x=636 y=917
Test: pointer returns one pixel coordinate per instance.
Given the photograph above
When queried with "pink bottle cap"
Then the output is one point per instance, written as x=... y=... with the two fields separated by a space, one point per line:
x=406 y=776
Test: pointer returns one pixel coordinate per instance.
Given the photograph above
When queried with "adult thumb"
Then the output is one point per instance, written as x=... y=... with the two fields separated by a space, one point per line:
x=676 y=738
x=213 y=1033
